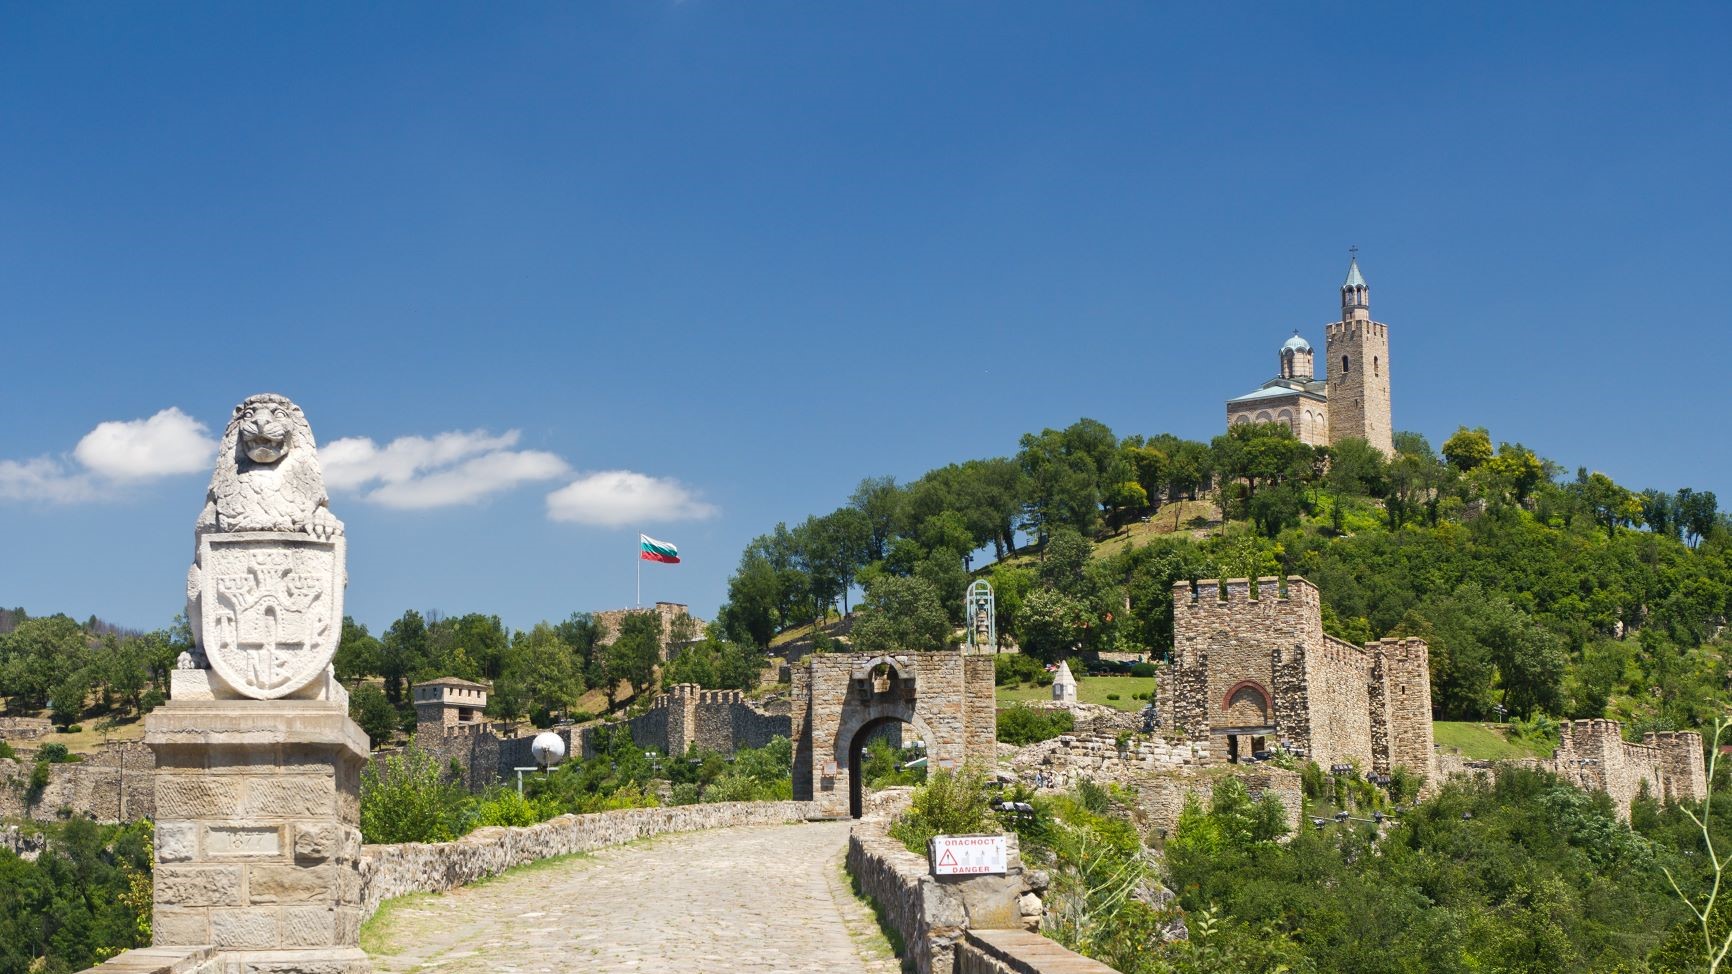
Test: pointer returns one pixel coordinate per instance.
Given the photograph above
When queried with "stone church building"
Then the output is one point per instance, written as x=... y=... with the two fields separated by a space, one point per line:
x=1352 y=400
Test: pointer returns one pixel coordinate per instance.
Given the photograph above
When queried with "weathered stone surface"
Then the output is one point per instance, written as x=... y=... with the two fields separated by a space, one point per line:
x=289 y=796
x=242 y=841
x=195 y=796
x=308 y=926
x=322 y=841
x=254 y=927
x=292 y=883
x=176 y=842
x=198 y=885
x=171 y=926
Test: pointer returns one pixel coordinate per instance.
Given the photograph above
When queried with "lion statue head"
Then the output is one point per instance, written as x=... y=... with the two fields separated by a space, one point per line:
x=267 y=475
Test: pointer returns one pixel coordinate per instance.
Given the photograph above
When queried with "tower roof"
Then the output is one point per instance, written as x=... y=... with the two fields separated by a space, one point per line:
x=1354 y=279
x=1296 y=343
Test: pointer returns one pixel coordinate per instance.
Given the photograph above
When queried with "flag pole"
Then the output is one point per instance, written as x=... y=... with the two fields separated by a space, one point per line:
x=640 y=572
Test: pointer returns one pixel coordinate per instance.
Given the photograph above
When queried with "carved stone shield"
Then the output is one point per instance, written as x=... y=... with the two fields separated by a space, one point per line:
x=272 y=607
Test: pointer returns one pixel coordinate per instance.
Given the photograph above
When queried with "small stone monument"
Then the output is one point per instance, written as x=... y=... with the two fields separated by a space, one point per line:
x=258 y=763
x=1064 y=686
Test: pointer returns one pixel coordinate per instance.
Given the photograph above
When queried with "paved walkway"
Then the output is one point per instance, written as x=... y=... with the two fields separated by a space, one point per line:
x=756 y=900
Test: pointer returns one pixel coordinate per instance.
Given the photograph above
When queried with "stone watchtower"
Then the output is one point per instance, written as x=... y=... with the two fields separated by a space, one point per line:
x=448 y=702
x=1357 y=354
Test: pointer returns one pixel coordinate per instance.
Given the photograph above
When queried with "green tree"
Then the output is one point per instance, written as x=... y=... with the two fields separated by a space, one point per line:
x=369 y=708
x=1050 y=624
x=633 y=655
x=1467 y=448
x=403 y=654
x=900 y=614
x=405 y=798
x=543 y=675
x=715 y=664
x=358 y=653
x=752 y=613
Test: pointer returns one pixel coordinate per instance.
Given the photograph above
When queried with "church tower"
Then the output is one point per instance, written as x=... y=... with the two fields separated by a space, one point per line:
x=1357 y=362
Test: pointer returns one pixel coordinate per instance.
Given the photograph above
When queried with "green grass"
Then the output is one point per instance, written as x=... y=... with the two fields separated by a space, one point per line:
x=1089 y=689
x=1483 y=741
x=376 y=932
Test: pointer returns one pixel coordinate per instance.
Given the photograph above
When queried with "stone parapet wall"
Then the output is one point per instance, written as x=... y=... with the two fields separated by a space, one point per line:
x=1020 y=952
x=932 y=915
x=113 y=784
x=393 y=870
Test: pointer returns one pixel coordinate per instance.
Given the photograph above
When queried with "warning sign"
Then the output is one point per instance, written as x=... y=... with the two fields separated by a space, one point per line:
x=967 y=855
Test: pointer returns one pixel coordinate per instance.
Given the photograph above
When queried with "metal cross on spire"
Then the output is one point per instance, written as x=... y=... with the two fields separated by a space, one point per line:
x=1353 y=252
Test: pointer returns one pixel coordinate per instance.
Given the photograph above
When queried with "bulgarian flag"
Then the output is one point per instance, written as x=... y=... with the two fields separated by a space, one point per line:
x=649 y=549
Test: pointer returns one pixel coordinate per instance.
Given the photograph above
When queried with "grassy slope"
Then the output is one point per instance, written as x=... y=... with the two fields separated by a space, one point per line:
x=1090 y=689
x=1483 y=741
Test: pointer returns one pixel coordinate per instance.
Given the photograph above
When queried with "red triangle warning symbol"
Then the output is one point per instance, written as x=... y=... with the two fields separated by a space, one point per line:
x=947 y=859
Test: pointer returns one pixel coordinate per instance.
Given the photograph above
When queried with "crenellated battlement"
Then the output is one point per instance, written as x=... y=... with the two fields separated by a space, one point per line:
x=1203 y=591
x=1593 y=754
x=1353 y=328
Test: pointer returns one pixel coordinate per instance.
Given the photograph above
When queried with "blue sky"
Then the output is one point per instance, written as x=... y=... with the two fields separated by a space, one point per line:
x=561 y=273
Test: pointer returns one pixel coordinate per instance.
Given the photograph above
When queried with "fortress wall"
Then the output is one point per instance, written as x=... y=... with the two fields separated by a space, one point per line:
x=1592 y=754
x=1338 y=685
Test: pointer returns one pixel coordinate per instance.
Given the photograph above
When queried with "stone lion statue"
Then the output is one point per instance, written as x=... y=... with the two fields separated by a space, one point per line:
x=267 y=478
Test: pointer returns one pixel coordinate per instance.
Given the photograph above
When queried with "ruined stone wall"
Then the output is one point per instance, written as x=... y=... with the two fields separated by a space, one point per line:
x=21 y=729
x=1337 y=684
x=1592 y=754
x=113 y=784
x=392 y=870
x=1160 y=772
x=608 y=620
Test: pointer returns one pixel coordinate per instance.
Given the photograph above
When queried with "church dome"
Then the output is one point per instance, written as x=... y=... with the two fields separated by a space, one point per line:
x=1296 y=344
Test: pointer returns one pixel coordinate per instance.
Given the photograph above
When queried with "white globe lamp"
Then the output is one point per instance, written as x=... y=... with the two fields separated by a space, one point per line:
x=548 y=749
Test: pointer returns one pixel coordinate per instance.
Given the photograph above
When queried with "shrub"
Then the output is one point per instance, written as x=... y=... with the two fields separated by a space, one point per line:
x=1022 y=725
x=38 y=781
x=504 y=806
x=1112 y=696
x=950 y=803
x=1143 y=669
x=409 y=800
x=1011 y=669
x=55 y=753
x=7 y=752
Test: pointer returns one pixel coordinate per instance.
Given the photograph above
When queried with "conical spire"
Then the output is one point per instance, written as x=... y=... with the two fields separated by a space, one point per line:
x=1354 y=278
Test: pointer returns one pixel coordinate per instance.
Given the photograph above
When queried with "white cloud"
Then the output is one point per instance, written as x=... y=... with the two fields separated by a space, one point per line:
x=44 y=479
x=116 y=452
x=613 y=498
x=418 y=472
x=171 y=442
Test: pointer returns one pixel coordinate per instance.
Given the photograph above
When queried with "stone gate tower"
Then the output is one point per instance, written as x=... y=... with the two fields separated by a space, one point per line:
x=1357 y=353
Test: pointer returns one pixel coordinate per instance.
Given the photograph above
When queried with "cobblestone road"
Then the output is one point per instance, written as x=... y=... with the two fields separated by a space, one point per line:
x=756 y=900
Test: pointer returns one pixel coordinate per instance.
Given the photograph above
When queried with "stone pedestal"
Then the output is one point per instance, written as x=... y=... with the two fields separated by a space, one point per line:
x=257 y=837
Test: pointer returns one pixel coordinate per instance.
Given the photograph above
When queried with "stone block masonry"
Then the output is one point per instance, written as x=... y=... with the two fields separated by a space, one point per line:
x=257 y=844
x=1593 y=755
x=1252 y=668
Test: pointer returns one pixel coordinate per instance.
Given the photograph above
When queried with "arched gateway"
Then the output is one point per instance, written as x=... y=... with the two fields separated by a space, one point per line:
x=841 y=699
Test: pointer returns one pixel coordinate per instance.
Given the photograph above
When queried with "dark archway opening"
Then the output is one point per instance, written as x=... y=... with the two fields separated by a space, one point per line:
x=901 y=743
